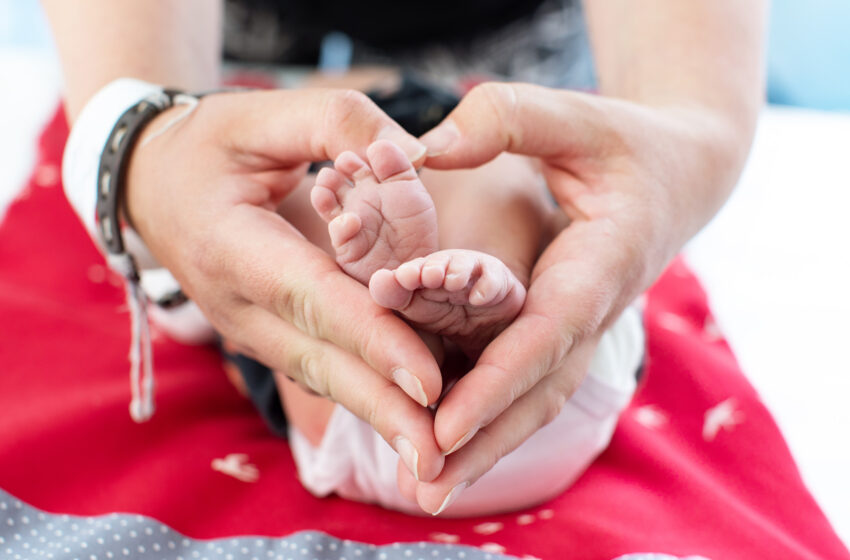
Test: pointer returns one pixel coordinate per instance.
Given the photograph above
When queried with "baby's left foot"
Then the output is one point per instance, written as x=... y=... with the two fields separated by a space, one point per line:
x=379 y=213
x=467 y=296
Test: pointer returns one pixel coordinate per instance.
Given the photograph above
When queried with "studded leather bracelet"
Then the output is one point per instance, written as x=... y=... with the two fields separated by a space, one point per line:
x=114 y=162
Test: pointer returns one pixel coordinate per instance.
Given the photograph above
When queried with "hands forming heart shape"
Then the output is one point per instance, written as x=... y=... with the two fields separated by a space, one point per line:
x=635 y=175
x=285 y=301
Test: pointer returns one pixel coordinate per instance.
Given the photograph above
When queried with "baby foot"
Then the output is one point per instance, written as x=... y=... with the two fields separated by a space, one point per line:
x=379 y=215
x=466 y=296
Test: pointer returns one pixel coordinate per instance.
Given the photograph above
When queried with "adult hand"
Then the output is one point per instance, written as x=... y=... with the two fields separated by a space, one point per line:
x=636 y=182
x=203 y=196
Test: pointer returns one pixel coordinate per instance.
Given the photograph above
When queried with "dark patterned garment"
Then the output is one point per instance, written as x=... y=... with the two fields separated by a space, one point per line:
x=450 y=42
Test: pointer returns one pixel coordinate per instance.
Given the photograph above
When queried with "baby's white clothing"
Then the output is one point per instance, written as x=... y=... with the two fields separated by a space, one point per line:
x=354 y=462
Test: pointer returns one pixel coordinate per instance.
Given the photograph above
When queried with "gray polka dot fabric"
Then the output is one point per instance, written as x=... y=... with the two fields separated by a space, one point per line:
x=29 y=534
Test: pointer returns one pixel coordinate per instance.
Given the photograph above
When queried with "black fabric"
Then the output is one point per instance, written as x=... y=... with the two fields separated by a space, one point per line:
x=380 y=24
x=416 y=105
x=389 y=23
x=263 y=391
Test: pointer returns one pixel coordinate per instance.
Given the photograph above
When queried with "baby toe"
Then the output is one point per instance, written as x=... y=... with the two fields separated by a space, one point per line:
x=458 y=272
x=489 y=289
x=332 y=180
x=409 y=274
x=386 y=290
x=325 y=203
x=434 y=270
x=352 y=166
x=389 y=162
x=343 y=228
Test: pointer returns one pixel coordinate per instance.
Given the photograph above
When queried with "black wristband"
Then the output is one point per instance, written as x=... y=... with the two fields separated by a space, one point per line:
x=114 y=162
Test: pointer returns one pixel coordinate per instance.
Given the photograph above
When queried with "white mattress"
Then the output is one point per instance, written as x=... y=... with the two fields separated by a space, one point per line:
x=775 y=261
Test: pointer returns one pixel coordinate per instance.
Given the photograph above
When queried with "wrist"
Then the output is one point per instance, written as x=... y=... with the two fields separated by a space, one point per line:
x=133 y=203
x=723 y=137
x=81 y=159
x=700 y=153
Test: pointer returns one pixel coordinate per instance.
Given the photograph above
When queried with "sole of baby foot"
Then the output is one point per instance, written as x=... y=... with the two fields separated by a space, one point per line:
x=379 y=214
x=466 y=296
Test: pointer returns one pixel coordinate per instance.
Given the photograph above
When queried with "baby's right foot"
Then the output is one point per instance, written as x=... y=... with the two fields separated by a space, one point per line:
x=467 y=296
x=379 y=214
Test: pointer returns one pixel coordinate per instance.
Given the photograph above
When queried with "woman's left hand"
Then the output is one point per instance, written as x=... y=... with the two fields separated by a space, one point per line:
x=636 y=182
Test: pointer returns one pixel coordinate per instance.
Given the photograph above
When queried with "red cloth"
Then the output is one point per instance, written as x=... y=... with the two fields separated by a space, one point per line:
x=68 y=445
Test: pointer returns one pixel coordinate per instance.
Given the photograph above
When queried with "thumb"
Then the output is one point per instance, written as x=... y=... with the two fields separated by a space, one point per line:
x=518 y=118
x=294 y=126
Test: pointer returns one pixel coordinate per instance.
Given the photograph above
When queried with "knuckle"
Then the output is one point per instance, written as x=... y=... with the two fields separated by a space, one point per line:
x=372 y=413
x=374 y=409
x=310 y=366
x=386 y=411
x=515 y=385
x=367 y=342
x=345 y=107
x=552 y=407
x=371 y=337
x=293 y=303
x=495 y=447
x=205 y=256
x=564 y=338
x=503 y=102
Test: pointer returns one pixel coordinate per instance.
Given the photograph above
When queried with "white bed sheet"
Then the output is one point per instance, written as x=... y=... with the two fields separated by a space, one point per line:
x=776 y=265
x=775 y=262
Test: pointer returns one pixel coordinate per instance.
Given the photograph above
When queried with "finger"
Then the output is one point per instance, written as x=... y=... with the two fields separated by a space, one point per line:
x=578 y=284
x=519 y=118
x=272 y=265
x=524 y=417
x=293 y=126
x=407 y=483
x=327 y=370
x=512 y=364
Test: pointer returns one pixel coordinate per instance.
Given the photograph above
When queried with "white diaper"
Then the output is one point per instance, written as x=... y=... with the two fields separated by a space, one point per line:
x=354 y=462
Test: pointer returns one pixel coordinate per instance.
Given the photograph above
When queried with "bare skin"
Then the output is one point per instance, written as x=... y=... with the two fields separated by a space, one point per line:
x=368 y=224
x=675 y=77
x=383 y=226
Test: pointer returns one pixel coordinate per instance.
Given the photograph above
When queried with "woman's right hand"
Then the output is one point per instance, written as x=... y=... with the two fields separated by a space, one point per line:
x=203 y=195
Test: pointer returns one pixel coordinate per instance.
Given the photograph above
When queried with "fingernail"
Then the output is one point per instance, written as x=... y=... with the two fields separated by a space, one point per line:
x=414 y=149
x=439 y=141
x=410 y=385
x=462 y=441
x=452 y=496
x=408 y=454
